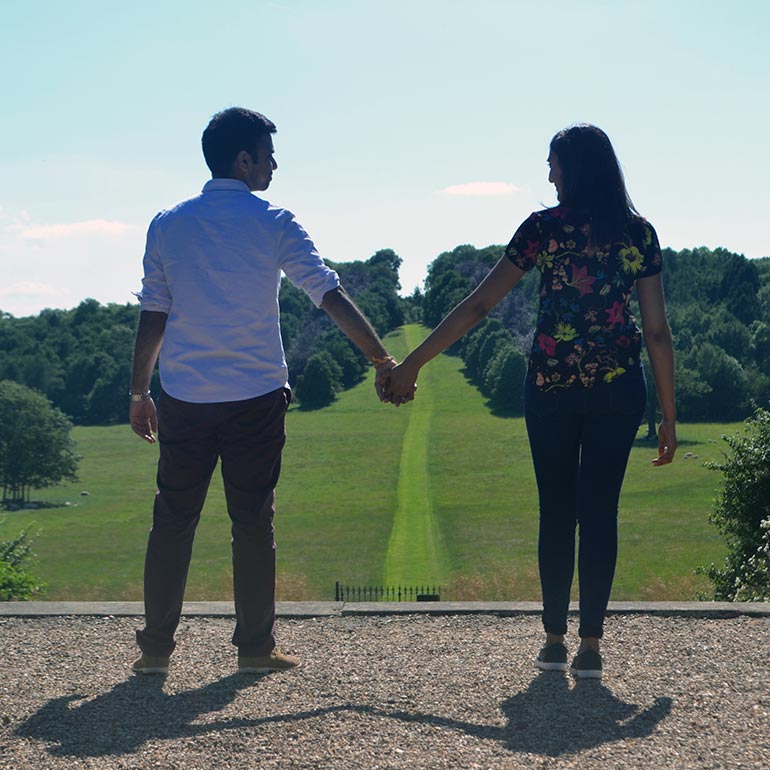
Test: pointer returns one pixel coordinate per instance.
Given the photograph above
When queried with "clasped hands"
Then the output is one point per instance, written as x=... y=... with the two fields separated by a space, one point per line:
x=395 y=383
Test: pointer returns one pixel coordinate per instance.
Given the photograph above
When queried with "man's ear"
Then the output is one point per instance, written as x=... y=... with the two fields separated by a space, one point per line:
x=243 y=161
x=239 y=169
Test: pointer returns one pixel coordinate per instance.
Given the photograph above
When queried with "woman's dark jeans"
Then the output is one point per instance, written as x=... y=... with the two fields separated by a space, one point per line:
x=580 y=441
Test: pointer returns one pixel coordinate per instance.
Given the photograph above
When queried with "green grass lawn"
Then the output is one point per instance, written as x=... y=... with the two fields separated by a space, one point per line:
x=348 y=511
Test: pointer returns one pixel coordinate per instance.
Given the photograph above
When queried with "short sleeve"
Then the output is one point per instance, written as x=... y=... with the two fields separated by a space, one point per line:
x=650 y=248
x=155 y=294
x=525 y=244
x=302 y=263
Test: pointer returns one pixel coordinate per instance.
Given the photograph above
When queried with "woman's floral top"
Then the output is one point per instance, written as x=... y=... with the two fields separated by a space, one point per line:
x=585 y=329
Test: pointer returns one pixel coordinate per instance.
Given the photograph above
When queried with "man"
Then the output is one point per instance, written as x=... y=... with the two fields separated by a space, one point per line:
x=209 y=308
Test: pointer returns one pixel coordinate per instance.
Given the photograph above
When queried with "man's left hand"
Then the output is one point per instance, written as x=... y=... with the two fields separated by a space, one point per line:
x=382 y=377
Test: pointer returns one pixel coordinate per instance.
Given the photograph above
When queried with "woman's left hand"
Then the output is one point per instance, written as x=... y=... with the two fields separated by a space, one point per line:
x=666 y=443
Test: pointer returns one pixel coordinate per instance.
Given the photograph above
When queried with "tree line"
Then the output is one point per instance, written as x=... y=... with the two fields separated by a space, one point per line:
x=718 y=305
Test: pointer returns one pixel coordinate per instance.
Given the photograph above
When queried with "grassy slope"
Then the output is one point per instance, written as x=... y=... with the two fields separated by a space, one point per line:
x=340 y=493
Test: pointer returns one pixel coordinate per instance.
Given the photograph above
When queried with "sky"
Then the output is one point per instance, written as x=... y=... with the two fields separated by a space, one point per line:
x=415 y=125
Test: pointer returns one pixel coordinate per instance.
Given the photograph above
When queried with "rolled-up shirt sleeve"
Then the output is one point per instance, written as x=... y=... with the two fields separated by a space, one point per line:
x=155 y=294
x=302 y=263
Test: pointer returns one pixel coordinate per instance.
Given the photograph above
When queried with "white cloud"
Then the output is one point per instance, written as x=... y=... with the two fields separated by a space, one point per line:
x=66 y=230
x=481 y=189
x=31 y=289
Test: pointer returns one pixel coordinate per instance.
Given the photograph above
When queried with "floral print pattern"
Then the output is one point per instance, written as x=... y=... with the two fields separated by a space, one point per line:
x=585 y=331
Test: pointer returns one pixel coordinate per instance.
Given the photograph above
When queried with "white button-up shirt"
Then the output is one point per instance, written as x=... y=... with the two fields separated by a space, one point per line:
x=213 y=263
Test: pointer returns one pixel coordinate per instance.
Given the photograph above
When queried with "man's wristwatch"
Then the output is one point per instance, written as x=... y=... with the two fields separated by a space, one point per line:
x=146 y=396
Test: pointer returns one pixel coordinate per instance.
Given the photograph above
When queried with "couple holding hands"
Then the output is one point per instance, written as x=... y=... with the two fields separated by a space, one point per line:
x=209 y=311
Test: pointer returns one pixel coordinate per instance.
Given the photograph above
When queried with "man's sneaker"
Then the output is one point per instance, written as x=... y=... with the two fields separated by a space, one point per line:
x=150 y=664
x=587 y=665
x=553 y=657
x=273 y=661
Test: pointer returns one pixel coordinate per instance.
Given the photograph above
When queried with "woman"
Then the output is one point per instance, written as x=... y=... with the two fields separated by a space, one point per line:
x=585 y=390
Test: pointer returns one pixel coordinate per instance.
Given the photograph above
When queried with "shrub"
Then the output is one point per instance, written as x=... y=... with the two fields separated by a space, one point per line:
x=505 y=376
x=16 y=583
x=753 y=584
x=742 y=514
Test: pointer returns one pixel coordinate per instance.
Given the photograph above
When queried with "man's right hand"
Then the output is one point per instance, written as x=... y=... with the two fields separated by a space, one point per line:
x=144 y=419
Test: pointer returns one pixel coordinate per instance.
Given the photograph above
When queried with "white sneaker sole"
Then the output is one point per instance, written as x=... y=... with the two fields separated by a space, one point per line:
x=543 y=666
x=585 y=674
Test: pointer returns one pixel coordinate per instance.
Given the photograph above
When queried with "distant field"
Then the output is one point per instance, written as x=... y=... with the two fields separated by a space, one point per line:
x=470 y=485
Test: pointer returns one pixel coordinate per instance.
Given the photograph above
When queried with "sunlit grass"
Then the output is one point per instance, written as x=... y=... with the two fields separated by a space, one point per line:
x=339 y=492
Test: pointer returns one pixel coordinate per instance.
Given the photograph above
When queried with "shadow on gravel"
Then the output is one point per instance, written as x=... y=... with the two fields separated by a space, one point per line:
x=136 y=711
x=122 y=720
x=552 y=718
x=549 y=718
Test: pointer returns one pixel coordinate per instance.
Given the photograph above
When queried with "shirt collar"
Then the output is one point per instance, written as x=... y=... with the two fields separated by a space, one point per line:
x=215 y=185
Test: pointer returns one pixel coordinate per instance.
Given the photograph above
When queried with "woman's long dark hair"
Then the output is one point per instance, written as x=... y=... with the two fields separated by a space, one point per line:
x=592 y=181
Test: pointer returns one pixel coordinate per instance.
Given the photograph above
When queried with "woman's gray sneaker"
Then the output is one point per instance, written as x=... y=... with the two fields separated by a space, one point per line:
x=553 y=657
x=587 y=665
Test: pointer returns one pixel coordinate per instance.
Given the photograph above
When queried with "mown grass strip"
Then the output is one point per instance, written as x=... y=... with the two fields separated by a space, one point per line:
x=416 y=554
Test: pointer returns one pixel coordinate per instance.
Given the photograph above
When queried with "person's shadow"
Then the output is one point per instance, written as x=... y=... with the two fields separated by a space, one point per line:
x=135 y=711
x=549 y=718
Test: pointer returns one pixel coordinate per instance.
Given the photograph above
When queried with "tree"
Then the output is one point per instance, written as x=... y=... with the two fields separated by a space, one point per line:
x=36 y=449
x=692 y=394
x=742 y=514
x=295 y=305
x=412 y=307
x=79 y=359
x=517 y=311
x=351 y=361
x=478 y=347
x=728 y=397
x=444 y=292
x=740 y=284
x=760 y=344
x=730 y=334
x=319 y=383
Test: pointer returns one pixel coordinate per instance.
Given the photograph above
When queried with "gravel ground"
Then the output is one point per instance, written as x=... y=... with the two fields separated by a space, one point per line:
x=414 y=692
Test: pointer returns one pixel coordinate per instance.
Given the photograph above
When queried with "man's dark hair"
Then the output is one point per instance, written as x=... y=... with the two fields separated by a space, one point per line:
x=231 y=131
x=593 y=180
